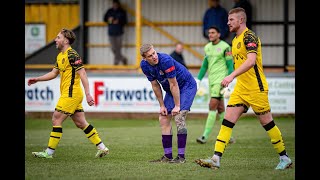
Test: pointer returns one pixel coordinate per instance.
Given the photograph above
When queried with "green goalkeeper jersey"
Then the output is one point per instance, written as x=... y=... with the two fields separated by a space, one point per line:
x=218 y=62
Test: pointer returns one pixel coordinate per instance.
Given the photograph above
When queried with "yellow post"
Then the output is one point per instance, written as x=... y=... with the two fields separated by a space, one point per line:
x=138 y=32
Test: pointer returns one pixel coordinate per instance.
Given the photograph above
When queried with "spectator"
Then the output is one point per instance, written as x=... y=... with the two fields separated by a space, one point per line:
x=217 y=16
x=246 y=5
x=116 y=18
x=177 y=54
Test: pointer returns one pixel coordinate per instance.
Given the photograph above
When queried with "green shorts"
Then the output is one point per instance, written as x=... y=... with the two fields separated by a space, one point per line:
x=215 y=90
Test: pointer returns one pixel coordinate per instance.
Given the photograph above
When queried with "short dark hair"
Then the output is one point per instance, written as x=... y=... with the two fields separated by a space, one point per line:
x=214 y=27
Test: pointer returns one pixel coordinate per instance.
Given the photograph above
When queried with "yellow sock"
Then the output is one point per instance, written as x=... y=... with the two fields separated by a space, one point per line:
x=223 y=136
x=92 y=134
x=275 y=137
x=55 y=137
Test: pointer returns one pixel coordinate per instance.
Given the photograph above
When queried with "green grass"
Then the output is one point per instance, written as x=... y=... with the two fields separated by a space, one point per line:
x=133 y=143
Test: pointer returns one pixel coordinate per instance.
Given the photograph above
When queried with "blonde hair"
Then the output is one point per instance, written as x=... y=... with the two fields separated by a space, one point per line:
x=240 y=11
x=145 y=48
x=70 y=35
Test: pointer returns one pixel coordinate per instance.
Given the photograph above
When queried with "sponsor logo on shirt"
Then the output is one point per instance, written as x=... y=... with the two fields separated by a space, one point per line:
x=78 y=62
x=251 y=44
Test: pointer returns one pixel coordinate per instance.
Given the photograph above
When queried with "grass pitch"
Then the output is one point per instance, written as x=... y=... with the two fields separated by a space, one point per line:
x=133 y=143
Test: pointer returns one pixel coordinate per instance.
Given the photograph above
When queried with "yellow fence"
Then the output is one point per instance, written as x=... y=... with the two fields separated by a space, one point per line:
x=55 y=16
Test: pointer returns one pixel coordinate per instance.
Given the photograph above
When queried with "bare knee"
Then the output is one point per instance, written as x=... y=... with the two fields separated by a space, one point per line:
x=79 y=120
x=58 y=118
x=164 y=121
x=165 y=125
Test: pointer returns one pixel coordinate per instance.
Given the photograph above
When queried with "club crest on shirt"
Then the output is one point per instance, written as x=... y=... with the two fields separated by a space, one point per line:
x=161 y=73
x=239 y=45
x=218 y=49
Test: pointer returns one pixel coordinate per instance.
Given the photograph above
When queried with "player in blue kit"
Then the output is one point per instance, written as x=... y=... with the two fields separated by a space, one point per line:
x=180 y=89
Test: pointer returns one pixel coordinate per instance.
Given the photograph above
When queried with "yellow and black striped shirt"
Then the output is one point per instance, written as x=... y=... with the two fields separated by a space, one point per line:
x=254 y=79
x=68 y=63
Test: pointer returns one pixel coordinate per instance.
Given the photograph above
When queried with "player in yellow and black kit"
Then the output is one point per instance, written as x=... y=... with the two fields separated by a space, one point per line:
x=251 y=90
x=69 y=66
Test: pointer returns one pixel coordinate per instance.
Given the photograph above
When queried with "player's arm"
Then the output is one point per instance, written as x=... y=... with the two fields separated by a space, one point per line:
x=230 y=66
x=170 y=72
x=76 y=63
x=251 y=43
x=84 y=80
x=175 y=91
x=203 y=68
x=202 y=71
x=158 y=92
x=229 y=60
x=249 y=63
x=50 y=75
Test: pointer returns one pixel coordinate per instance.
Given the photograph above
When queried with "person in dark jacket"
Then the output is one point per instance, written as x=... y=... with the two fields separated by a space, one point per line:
x=177 y=54
x=217 y=16
x=116 y=18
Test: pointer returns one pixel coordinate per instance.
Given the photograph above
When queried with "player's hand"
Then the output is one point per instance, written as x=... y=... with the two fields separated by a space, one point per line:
x=32 y=81
x=90 y=100
x=163 y=111
x=225 y=92
x=175 y=110
x=226 y=81
x=116 y=21
x=198 y=83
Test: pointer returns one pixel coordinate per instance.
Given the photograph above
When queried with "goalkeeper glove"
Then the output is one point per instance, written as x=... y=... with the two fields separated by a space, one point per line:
x=225 y=92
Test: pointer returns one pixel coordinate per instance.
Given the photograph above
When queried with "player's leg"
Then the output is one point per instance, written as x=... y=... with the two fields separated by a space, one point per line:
x=187 y=95
x=220 y=115
x=221 y=110
x=91 y=132
x=62 y=111
x=236 y=106
x=166 y=130
x=261 y=108
x=182 y=133
x=166 y=133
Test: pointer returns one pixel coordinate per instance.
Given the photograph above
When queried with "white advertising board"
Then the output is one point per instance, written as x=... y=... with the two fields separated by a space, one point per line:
x=134 y=94
x=35 y=37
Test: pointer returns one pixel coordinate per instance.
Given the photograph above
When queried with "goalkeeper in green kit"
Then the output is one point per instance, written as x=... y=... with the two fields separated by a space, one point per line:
x=219 y=64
